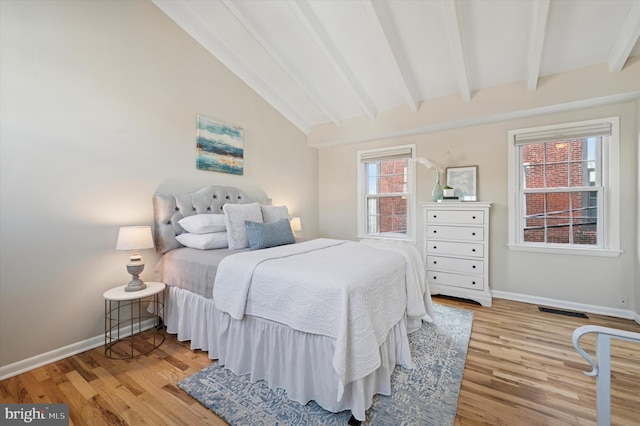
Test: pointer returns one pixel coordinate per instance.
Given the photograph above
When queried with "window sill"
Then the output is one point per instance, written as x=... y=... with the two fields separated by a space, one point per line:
x=563 y=250
x=380 y=237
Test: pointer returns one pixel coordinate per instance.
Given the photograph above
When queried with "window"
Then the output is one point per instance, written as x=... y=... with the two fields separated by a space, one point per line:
x=386 y=193
x=564 y=188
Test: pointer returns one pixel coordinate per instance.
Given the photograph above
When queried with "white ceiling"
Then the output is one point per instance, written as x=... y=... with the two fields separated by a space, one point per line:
x=319 y=61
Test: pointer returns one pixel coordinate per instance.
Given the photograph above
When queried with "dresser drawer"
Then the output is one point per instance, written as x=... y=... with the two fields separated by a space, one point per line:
x=455 y=249
x=455 y=232
x=462 y=217
x=452 y=264
x=456 y=280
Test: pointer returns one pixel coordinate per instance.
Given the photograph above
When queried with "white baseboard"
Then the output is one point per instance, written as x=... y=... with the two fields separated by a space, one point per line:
x=29 y=364
x=563 y=304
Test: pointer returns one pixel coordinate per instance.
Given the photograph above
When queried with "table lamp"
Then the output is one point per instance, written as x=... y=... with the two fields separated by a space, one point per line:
x=135 y=238
x=296 y=224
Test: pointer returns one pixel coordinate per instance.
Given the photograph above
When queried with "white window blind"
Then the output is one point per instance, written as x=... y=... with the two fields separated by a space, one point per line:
x=564 y=133
x=386 y=154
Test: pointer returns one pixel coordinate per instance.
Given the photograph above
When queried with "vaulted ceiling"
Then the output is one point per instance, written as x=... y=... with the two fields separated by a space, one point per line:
x=319 y=61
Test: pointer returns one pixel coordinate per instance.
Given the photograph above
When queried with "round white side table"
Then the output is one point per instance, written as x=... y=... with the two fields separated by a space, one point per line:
x=133 y=327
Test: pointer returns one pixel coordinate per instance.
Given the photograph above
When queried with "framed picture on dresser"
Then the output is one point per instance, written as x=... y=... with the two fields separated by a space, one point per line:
x=465 y=182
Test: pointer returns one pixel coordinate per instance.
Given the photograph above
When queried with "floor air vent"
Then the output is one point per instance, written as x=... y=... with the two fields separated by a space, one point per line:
x=561 y=312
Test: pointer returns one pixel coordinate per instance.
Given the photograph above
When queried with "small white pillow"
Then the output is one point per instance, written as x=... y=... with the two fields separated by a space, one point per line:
x=203 y=223
x=272 y=214
x=215 y=240
x=235 y=215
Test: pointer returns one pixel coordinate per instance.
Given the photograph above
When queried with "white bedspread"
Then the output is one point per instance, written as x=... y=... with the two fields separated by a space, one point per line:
x=350 y=291
x=419 y=304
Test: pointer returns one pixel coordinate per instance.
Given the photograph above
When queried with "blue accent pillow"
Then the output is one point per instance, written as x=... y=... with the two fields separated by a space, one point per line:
x=265 y=235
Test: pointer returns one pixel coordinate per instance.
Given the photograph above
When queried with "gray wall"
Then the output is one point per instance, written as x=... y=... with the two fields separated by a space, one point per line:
x=98 y=111
x=637 y=233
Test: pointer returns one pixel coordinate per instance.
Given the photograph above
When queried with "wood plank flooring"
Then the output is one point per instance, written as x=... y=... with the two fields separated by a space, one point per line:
x=521 y=369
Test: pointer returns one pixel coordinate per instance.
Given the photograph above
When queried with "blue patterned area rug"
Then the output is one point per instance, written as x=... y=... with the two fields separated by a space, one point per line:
x=425 y=395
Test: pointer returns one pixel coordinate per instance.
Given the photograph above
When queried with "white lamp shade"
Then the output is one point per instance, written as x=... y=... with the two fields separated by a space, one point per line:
x=296 y=224
x=134 y=238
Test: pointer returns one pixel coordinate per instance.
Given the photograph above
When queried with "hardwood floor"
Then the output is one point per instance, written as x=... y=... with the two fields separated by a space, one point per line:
x=521 y=369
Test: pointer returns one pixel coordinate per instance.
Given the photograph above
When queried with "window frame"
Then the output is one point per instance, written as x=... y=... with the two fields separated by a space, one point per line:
x=608 y=196
x=379 y=154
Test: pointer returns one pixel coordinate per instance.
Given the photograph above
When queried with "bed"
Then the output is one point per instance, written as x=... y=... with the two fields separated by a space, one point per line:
x=325 y=319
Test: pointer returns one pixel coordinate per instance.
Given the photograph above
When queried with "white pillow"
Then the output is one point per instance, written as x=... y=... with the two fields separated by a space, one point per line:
x=214 y=240
x=203 y=223
x=272 y=214
x=235 y=215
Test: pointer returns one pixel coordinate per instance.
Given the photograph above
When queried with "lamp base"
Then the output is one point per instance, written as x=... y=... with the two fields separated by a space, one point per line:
x=135 y=269
x=135 y=285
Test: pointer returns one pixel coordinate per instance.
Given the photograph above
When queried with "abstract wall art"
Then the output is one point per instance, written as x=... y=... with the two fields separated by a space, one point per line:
x=219 y=146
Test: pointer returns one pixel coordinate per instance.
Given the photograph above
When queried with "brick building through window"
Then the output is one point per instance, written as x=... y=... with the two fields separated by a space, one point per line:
x=564 y=188
x=386 y=205
x=559 y=179
x=387 y=214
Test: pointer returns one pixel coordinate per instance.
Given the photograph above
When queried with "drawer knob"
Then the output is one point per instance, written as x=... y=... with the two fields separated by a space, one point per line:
x=473 y=282
x=473 y=233
x=473 y=217
x=435 y=232
x=474 y=266
x=435 y=278
x=473 y=250
x=434 y=262
x=435 y=215
x=434 y=247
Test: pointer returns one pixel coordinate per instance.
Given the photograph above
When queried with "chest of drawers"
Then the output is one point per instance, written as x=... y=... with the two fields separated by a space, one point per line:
x=456 y=249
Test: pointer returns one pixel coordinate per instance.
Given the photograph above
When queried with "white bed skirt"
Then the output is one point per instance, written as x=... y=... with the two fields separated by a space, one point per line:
x=293 y=360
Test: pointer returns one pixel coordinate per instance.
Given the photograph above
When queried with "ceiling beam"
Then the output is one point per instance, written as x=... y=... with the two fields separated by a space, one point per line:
x=288 y=69
x=319 y=35
x=391 y=46
x=191 y=21
x=539 y=19
x=456 y=48
x=627 y=38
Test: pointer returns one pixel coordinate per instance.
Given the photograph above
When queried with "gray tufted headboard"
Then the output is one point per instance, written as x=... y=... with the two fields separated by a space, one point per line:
x=168 y=209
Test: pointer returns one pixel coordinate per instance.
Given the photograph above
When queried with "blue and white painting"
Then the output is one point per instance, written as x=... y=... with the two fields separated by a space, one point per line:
x=220 y=147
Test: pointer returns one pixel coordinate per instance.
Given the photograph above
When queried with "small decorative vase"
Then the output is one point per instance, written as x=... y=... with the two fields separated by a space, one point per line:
x=436 y=194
